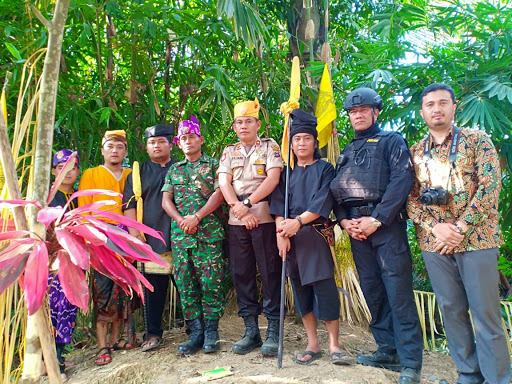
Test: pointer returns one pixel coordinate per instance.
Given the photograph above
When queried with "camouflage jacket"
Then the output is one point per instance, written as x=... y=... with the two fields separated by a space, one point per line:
x=188 y=199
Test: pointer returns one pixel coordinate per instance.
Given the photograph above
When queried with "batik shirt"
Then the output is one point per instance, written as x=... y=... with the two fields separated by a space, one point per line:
x=474 y=185
x=188 y=199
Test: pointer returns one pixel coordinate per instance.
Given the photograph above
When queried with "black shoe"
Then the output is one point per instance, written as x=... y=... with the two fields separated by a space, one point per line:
x=410 y=376
x=251 y=339
x=271 y=344
x=380 y=360
x=211 y=336
x=196 y=338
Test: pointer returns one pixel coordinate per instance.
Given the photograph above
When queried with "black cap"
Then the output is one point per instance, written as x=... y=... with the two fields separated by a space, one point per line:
x=165 y=130
x=303 y=122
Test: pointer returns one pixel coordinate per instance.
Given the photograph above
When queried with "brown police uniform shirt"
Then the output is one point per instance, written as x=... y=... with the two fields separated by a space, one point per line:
x=249 y=169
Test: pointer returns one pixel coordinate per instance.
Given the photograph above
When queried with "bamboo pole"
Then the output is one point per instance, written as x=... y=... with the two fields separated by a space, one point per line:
x=38 y=338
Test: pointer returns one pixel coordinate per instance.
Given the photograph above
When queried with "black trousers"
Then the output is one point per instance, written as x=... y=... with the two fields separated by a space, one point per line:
x=250 y=251
x=155 y=303
x=384 y=265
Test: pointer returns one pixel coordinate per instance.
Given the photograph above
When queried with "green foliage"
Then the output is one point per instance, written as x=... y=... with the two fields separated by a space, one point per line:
x=130 y=64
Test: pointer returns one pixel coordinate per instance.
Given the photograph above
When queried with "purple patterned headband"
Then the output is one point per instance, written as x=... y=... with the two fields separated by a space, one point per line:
x=188 y=126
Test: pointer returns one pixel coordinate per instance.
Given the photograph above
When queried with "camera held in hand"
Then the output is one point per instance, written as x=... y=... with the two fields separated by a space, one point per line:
x=434 y=196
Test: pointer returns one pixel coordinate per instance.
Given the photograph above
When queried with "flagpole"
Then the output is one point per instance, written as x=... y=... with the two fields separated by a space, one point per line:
x=283 y=269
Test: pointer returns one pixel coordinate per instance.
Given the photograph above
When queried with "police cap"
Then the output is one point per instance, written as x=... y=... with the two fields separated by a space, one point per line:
x=362 y=97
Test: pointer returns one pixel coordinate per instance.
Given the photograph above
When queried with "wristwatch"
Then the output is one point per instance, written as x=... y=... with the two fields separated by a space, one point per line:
x=375 y=222
x=247 y=203
x=461 y=230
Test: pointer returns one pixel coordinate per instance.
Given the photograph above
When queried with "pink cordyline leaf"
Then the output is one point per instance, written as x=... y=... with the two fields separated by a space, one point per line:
x=136 y=249
x=111 y=230
x=133 y=224
x=91 y=192
x=49 y=215
x=13 y=235
x=140 y=252
x=16 y=247
x=89 y=208
x=116 y=268
x=17 y=203
x=75 y=247
x=11 y=269
x=36 y=277
x=73 y=282
x=89 y=233
x=68 y=166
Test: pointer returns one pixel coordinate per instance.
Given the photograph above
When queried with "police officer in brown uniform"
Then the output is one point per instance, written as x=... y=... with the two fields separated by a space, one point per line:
x=249 y=171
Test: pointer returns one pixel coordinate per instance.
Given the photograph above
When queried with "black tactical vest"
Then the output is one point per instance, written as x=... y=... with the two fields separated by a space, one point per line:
x=363 y=175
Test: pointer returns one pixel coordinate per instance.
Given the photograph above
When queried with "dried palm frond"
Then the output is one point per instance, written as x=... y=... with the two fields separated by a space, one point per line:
x=14 y=317
x=507 y=325
x=428 y=318
x=353 y=303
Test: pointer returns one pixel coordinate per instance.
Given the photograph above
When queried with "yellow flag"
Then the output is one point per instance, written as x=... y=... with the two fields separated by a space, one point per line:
x=325 y=109
x=288 y=106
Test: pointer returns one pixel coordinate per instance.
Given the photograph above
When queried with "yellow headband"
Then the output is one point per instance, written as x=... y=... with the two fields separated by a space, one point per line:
x=247 y=109
x=117 y=135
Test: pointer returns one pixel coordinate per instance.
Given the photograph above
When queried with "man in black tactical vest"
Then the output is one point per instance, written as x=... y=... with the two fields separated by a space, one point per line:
x=373 y=179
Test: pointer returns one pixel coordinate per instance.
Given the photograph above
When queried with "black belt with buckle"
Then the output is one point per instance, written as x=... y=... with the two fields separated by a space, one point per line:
x=243 y=197
x=363 y=210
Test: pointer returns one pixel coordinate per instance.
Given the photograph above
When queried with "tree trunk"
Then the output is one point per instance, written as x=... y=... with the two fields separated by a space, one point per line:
x=304 y=24
x=38 y=337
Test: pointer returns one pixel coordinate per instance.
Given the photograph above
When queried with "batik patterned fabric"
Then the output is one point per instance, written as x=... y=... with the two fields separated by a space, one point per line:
x=474 y=184
x=62 y=312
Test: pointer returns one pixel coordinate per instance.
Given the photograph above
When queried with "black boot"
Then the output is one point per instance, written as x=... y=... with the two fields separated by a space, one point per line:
x=211 y=336
x=271 y=344
x=380 y=359
x=251 y=339
x=196 y=338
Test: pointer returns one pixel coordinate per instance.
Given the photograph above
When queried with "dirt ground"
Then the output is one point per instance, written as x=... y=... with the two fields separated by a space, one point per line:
x=163 y=365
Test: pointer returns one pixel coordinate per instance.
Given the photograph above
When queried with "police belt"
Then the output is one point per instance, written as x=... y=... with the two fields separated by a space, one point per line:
x=367 y=210
x=243 y=197
x=363 y=210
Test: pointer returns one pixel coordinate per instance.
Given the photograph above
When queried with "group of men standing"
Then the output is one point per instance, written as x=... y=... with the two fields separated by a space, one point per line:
x=454 y=175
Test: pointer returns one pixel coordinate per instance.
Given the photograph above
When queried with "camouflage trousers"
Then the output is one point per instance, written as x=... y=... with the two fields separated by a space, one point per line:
x=198 y=273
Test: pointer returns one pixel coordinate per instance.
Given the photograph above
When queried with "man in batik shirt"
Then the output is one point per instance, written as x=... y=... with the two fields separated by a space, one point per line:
x=454 y=205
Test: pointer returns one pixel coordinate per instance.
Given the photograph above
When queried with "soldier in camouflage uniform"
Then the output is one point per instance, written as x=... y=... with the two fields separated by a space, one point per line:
x=190 y=197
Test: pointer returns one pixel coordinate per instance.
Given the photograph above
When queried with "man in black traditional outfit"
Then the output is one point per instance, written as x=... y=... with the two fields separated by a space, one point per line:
x=152 y=177
x=309 y=259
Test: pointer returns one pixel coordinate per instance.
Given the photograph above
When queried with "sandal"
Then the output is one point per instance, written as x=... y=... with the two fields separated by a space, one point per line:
x=121 y=347
x=314 y=356
x=103 y=358
x=151 y=343
x=340 y=358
